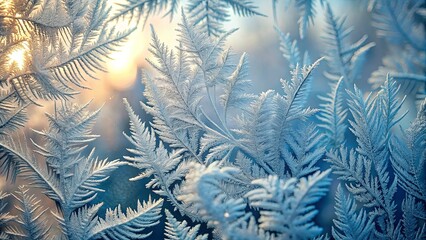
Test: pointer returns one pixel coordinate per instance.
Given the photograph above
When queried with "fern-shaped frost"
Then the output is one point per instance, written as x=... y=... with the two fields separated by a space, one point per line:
x=345 y=59
x=78 y=39
x=307 y=10
x=332 y=115
x=194 y=162
x=350 y=224
x=289 y=49
x=400 y=23
x=165 y=169
x=409 y=156
x=72 y=180
x=285 y=206
x=210 y=15
x=118 y=225
x=33 y=224
x=5 y=216
x=176 y=230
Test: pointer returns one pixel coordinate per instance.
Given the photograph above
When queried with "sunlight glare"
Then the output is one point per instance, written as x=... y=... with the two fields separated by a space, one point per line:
x=7 y=4
x=122 y=68
x=17 y=57
x=6 y=7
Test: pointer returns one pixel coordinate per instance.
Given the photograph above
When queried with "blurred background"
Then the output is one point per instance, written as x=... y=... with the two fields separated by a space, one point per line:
x=256 y=36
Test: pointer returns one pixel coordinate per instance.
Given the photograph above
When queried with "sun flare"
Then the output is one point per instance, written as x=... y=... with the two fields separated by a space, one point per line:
x=6 y=6
x=122 y=68
x=18 y=56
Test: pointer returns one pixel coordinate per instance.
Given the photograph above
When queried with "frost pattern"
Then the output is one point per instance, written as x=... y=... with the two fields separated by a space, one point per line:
x=199 y=176
x=210 y=15
x=72 y=180
x=400 y=23
x=247 y=166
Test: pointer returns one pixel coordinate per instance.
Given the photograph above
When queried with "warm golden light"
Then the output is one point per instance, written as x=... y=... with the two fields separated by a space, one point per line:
x=122 y=68
x=18 y=56
x=6 y=6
